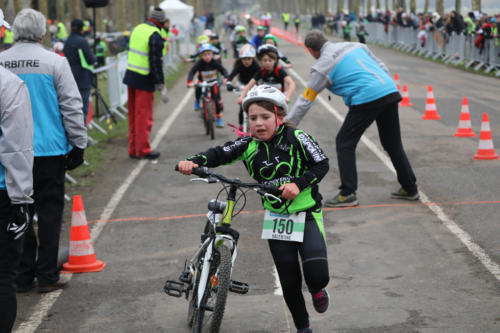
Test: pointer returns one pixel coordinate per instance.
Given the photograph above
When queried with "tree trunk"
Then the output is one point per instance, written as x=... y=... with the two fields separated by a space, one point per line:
x=476 y=5
x=121 y=15
x=75 y=10
x=356 y=8
x=426 y=6
x=458 y=5
x=440 y=7
x=340 y=5
x=369 y=7
x=378 y=4
x=61 y=15
x=413 y=6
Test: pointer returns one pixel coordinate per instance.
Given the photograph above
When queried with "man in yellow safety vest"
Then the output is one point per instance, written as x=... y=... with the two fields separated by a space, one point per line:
x=144 y=75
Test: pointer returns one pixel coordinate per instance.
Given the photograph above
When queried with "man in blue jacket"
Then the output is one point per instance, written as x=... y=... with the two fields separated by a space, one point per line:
x=80 y=58
x=60 y=138
x=352 y=71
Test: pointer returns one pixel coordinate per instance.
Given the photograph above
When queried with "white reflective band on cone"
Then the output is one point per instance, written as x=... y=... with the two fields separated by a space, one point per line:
x=78 y=219
x=80 y=248
x=486 y=144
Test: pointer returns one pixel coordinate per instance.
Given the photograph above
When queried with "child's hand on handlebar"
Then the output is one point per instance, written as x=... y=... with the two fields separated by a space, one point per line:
x=290 y=191
x=185 y=167
x=190 y=84
x=224 y=81
x=240 y=100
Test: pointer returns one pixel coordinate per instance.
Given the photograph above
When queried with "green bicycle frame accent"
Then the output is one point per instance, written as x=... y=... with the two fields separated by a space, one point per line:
x=228 y=211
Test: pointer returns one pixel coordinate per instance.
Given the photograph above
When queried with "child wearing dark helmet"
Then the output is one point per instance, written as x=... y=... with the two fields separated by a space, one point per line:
x=292 y=160
x=271 y=73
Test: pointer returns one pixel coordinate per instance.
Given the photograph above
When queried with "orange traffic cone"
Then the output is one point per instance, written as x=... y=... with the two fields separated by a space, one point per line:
x=430 y=106
x=406 y=99
x=81 y=252
x=464 y=125
x=299 y=41
x=396 y=79
x=486 y=151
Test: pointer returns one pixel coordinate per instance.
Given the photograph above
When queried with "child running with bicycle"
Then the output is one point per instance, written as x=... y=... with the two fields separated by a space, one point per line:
x=208 y=70
x=292 y=160
x=271 y=73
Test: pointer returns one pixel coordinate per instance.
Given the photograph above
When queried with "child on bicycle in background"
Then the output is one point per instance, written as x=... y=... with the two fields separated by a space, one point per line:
x=208 y=70
x=291 y=159
x=239 y=39
x=202 y=39
x=271 y=73
x=214 y=40
x=272 y=40
x=245 y=68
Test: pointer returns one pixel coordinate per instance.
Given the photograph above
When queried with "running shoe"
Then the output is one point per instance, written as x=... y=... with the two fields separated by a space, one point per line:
x=220 y=123
x=342 y=201
x=308 y=329
x=196 y=104
x=403 y=194
x=321 y=300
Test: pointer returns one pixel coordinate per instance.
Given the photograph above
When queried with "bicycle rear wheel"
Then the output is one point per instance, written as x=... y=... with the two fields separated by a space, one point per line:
x=210 y=119
x=204 y=117
x=208 y=317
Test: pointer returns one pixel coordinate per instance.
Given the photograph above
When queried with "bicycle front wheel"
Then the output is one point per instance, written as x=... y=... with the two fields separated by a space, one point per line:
x=209 y=314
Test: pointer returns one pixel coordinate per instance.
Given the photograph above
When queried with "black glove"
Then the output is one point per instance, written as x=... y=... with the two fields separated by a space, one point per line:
x=21 y=220
x=229 y=87
x=74 y=158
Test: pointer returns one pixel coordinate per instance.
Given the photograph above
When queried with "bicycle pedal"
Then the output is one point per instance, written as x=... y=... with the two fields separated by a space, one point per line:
x=239 y=287
x=185 y=277
x=174 y=288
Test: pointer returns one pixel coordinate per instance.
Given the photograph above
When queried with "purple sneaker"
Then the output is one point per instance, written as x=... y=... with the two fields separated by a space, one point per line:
x=321 y=300
x=308 y=329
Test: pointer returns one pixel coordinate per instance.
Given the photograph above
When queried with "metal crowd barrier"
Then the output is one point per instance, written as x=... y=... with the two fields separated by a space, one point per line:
x=455 y=49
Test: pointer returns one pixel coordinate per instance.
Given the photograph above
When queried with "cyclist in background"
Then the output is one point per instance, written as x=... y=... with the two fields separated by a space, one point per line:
x=208 y=69
x=271 y=39
x=271 y=73
x=239 y=39
x=291 y=159
x=258 y=39
x=245 y=68
x=214 y=40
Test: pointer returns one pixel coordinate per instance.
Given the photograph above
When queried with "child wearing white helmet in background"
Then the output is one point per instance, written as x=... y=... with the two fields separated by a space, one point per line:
x=245 y=68
x=292 y=160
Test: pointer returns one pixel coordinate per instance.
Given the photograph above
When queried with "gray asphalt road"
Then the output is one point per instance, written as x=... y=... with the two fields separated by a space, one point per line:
x=395 y=267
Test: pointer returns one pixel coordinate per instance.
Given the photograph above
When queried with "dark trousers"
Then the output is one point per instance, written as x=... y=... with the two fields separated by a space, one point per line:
x=355 y=124
x=85 y=100
x=215 y=97
x=10 y=254
x=314 y=264
x=39 y=259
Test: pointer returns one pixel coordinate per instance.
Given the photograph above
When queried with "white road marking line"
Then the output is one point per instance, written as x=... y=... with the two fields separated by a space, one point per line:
x=452 y=226
x=42 y=308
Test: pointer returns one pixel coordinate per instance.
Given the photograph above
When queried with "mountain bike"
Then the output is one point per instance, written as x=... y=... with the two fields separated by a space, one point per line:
x=206 y=278
x=209 y=108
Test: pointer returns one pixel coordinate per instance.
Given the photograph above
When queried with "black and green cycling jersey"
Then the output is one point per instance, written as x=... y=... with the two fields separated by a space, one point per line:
x=290 y=156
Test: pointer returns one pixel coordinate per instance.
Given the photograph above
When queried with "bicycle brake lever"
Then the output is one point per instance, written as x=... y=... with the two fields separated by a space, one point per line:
x=272 y=196
x=208 y=180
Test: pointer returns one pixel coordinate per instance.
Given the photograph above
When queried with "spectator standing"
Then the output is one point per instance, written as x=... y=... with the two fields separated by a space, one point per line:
x=16 y=184
x=286 y=20
x=297 y=23
x=371 y=95
x=81 y=59
x=59 y=141
x=61 y=33
x=144 y=75
x=258 y=39
x=6 y=37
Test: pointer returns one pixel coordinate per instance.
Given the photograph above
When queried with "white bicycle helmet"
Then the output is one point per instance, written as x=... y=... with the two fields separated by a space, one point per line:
x=247 y=51
x=265 y=49
x=267 y=93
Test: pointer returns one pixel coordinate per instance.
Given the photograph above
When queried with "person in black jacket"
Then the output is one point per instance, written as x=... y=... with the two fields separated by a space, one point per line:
x=81 y=58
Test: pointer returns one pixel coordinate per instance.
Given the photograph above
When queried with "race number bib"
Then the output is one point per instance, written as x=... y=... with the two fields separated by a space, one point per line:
x=284 y=227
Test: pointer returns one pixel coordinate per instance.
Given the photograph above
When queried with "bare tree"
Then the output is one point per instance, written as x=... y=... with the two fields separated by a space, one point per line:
x=440 y=7
x=458 y=5
x=356 y=8
x=60 y=14
x=426 y=6
x=413 y=6
x=476 y=5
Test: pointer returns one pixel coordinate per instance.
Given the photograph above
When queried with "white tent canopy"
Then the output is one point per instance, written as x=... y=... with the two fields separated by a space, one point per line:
x=178 y=12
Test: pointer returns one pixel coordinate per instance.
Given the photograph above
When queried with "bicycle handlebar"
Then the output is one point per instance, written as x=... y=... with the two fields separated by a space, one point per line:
x=262 y=189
